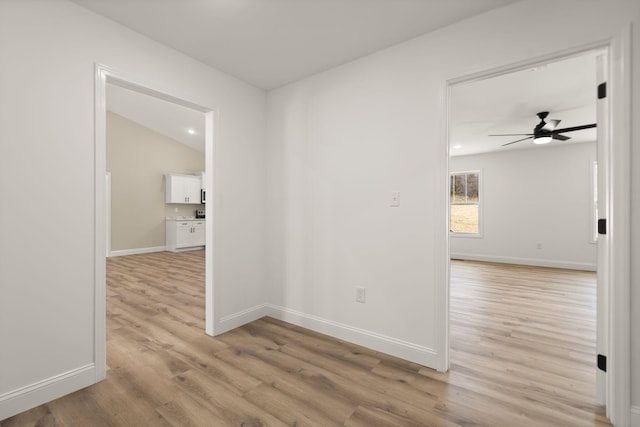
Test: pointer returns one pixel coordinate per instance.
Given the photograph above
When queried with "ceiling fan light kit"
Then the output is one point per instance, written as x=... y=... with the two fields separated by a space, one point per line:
x=545 y=132
x=542 y=140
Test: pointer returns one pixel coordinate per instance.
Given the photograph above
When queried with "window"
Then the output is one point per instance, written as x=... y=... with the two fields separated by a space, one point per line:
x=464 y=202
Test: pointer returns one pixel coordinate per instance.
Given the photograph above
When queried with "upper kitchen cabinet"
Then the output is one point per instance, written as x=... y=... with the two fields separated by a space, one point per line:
x=184 y=189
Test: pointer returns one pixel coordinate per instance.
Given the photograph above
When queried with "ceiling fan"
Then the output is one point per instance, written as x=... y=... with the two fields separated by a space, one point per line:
x=545 y=132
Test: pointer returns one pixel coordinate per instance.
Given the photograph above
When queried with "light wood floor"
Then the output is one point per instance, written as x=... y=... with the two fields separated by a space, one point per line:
x=522 y=354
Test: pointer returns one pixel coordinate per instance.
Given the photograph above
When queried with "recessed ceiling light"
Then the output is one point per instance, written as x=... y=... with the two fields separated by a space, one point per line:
x=457 y=147
x=191 y=131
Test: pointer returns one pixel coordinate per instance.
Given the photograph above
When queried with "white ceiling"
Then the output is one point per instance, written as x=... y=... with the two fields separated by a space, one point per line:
x=509 y=104
x=161 y=116
x=269 y=43
x=503 y=104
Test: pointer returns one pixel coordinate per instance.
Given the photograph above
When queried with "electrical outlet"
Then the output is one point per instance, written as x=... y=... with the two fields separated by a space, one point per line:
x=360 y=294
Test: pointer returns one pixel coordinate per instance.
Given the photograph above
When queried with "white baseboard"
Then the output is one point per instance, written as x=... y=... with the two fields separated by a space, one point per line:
x=392 y=346
x=190 y=248
x=22 y=399
x=635 y=416
x=243 y=317
x=538 y=262
x=124 y=252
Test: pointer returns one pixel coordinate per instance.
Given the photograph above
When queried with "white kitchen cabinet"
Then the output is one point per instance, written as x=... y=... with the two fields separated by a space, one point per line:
x=184 y=234
x=198 y=232
x=184 y=189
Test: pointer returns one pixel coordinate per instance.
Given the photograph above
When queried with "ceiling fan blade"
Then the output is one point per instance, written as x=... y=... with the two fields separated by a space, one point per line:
x=560 y=137
x=513 y=134
x=551 y=125
x=513 y=142
x=574 y=128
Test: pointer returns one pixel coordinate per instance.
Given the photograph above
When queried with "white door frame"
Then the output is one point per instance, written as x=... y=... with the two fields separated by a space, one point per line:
x=104 y=75
x=107 y=198
x=618 y=378
x=601 y=176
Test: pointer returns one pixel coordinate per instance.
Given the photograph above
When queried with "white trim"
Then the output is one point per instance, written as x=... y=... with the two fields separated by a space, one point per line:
x=603 y=147
x=24 y=398
x=454 y=234
x=124 y=252
x=240 y=318
x=187 y=249
x=104 y=74
x=385 y=344
x=100 y=227
x=537 y=262
x=442 y=240
x=619 y=231
x=210 y=184
x=108 y=212
x=635 y=416
x=593 y=201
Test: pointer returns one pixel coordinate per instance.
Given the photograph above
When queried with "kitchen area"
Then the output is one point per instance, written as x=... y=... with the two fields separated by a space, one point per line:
x=156 y=179
x=185 y=232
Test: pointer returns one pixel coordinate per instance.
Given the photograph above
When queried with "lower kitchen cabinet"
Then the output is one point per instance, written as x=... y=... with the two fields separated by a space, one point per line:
x=185 y=234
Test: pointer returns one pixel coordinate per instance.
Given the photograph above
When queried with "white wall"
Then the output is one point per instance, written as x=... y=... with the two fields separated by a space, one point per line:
x=540 y=195
x=341 y=141
x=338 y=147
x=338 y=144
x=48 y=50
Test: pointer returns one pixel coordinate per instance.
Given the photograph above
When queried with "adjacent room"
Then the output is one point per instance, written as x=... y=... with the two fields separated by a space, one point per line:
x=523 y=221
x=156 y=221
x=385 y=213
x=156 y=172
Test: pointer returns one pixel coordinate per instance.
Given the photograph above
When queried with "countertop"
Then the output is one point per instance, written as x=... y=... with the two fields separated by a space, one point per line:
x=183 y=218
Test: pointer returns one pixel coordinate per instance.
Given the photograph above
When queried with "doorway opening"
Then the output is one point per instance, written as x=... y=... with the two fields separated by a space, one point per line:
x=522 y=221
x=156 y=243
x=151 y=142
x=197 y=265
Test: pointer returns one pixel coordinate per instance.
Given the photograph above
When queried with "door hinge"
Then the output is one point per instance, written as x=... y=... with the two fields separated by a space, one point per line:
x=602 y=90
x=602 y=363
x=602 y=226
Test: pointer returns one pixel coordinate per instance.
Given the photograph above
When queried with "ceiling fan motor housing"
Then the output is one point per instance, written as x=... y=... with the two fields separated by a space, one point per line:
x=538 y=131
